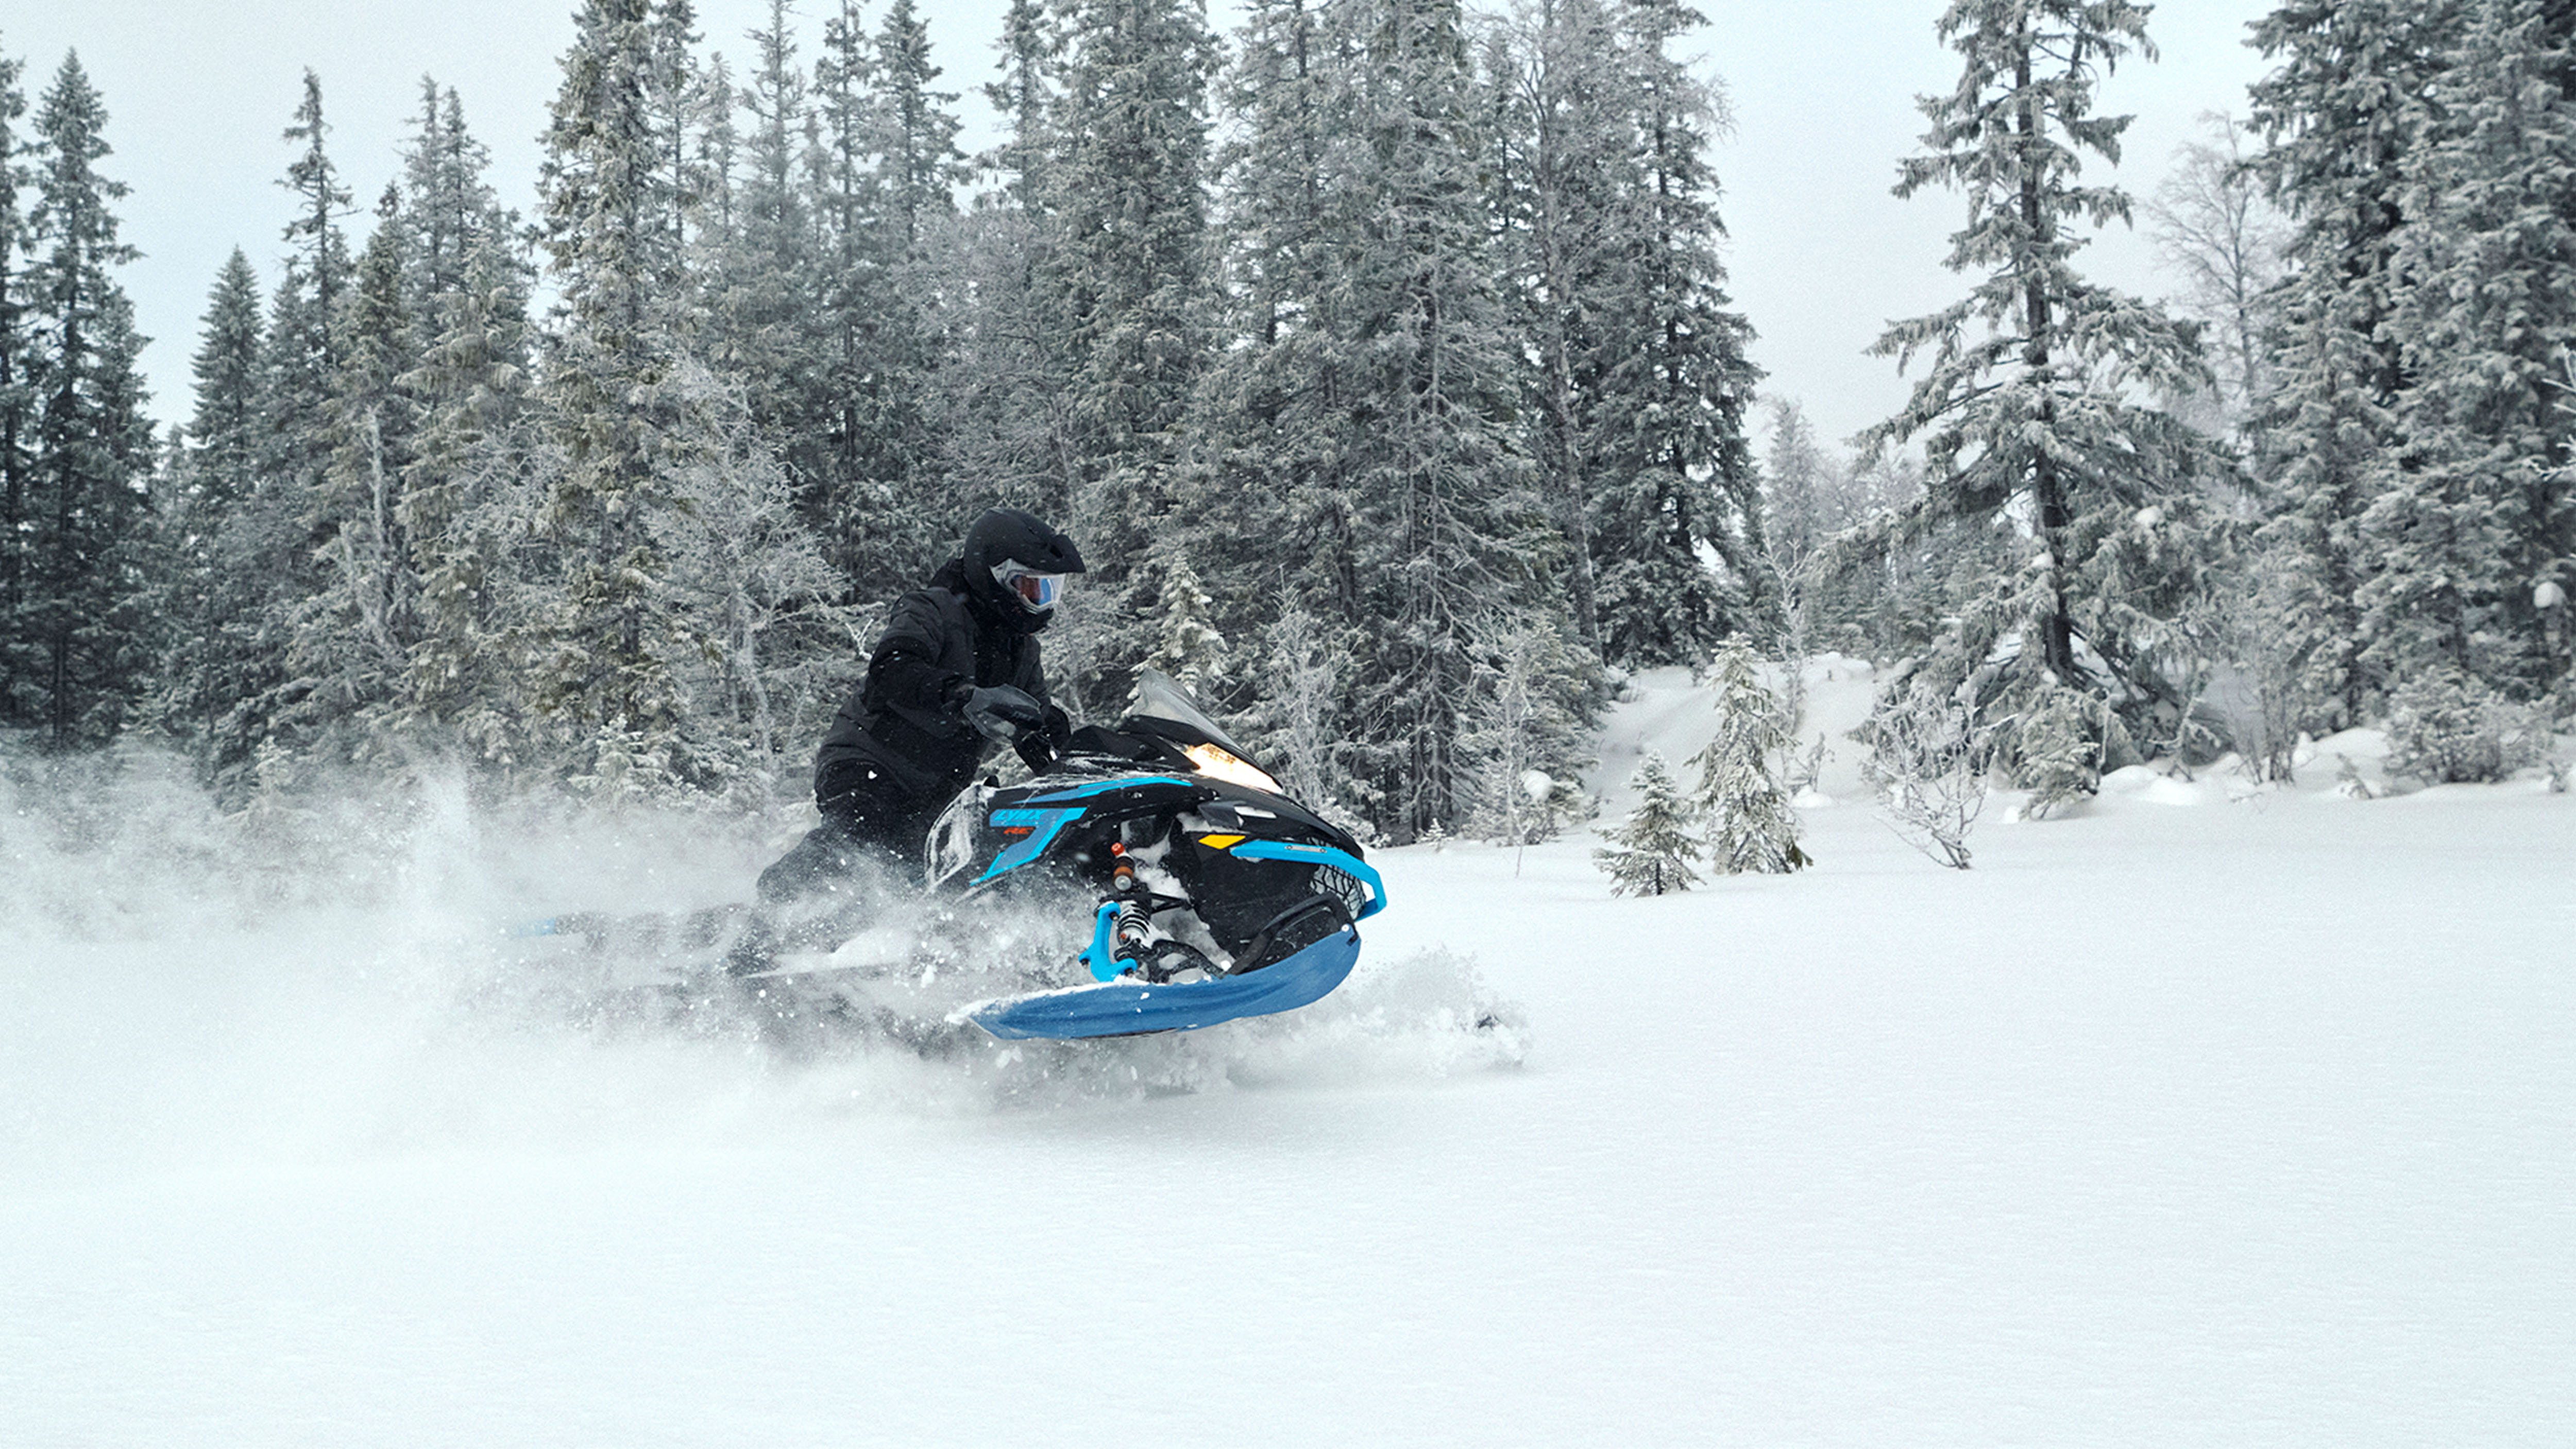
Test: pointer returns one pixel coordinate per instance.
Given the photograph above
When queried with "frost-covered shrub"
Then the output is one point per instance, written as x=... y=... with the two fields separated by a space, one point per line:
x=1750 y=825
x=1927 y=762
x=1525 y=728
x=2445 y=727
x=1649 y=853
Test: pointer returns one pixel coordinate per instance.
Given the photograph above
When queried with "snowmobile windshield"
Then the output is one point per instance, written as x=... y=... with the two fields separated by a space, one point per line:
x=1160 y=697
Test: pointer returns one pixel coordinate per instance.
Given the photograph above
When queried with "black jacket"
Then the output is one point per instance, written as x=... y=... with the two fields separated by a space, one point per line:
x=908 y=719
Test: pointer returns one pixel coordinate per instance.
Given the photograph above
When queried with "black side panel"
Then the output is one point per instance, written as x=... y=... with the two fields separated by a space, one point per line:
x=1238 y=897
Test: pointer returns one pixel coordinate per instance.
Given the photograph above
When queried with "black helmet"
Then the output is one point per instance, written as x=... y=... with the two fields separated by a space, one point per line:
x=1017 y=564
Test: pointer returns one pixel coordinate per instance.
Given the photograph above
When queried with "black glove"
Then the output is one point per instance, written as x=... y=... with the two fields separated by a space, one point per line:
x=1042 y=746
x=1001 y=712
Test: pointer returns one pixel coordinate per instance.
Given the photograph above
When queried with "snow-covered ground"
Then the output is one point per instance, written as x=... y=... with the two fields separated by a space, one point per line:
x=2186 y=1119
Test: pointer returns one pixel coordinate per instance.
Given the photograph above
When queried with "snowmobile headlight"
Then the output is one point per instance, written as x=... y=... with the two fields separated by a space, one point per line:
x=1209 y=760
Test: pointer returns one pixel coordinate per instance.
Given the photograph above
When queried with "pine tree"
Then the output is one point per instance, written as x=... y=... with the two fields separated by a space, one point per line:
x=1751 y=825
x=353 y=637
x=1642 y=384
x=2026 y=410
x=73 y=651
x=448 y=206
x=2477 y=508
x=1649 y=853
x=467 y=509
x=1187 y=645
x=611 y=204
x=199 y=677
x=1448 y=536
x=2341 y=113
x=17 y=393
x=764 y=329
x=1126 y=272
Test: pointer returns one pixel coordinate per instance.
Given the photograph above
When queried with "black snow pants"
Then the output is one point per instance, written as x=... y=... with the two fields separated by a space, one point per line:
x=868 y=814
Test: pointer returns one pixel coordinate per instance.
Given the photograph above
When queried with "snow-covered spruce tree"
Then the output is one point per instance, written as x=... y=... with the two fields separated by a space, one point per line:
x=448 y=205
x=1358 y=440
x=916 y=131
x=2060 y=752
x=890 y=179
x=1270 y=423
x=352 y=638
x=1001 y=402
x=468 y=515
x=2026 y=412
x=850 y=499
x=1649 y=853
x=1802 y=498
x=2340 y=113
x=2448 y=727
x=764 y=272
x=1187 y=644
x=204 y=603
x=267 y=560
x=1751 y=827
x=1025 y=97
x=73 y=649
x=17 y=390
x=2476 y=509
x=1449 y=539
x=1640 y=385
x=1127 y=272
x=1803 y=488
x=610 y=209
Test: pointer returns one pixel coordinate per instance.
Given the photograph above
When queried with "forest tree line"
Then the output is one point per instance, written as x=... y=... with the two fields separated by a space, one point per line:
x=1379 y=356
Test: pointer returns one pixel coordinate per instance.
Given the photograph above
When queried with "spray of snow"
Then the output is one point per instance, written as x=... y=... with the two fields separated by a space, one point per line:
x=195 y=990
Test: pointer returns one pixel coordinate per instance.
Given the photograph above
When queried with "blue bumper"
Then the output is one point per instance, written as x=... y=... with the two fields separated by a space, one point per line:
x=1124 y=1008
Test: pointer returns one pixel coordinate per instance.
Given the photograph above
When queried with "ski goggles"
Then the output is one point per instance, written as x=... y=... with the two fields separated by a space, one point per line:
x=1036 y=592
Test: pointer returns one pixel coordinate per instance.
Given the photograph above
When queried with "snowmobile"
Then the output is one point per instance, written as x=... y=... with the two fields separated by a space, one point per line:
x=1213 y=895
x=1197 y=892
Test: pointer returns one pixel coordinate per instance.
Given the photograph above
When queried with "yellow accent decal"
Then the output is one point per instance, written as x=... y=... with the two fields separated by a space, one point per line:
x=1220 y=842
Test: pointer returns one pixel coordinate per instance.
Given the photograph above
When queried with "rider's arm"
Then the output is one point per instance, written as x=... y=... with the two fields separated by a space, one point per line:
x=904 y=670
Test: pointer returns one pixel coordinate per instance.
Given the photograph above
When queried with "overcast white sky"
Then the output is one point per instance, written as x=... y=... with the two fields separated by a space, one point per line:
x=1823 y=94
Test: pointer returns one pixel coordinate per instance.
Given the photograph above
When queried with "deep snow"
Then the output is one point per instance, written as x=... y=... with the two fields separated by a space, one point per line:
x=2189 y=1118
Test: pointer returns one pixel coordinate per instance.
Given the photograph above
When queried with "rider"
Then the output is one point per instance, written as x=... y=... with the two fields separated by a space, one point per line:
x=954 y=677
